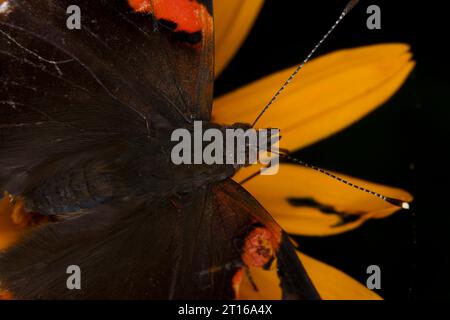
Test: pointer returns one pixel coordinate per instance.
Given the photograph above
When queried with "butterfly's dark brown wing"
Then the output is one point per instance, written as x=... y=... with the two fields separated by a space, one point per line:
x=68 y=94
x=189 y=246
x=120 y=52
x=234 y=202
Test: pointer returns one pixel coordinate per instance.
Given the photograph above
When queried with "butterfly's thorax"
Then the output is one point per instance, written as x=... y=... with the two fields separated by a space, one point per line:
x=195 y=171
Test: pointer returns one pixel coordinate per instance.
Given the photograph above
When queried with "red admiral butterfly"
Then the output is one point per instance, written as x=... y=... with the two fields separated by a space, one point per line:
x=85 y=126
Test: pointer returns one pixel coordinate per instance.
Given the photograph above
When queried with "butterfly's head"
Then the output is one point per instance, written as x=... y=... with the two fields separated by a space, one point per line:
x=249 y=144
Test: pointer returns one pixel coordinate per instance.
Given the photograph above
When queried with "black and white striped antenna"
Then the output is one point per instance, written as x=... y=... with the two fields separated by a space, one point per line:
x=396 y=202
x=393 y=201
x=346 y=10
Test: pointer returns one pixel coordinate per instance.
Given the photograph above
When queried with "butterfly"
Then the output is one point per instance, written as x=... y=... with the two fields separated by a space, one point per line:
x=85 y=122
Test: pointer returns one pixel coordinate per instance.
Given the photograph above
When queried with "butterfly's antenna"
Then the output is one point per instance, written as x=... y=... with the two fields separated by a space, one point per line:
x=346 y=10
x=396 y=202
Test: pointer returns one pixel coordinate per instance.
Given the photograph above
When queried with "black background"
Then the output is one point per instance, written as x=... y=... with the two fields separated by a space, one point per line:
x=403 y=143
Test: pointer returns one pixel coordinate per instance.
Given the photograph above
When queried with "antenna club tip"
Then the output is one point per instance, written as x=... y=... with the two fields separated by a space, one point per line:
x=406 y=206
x=399 y=203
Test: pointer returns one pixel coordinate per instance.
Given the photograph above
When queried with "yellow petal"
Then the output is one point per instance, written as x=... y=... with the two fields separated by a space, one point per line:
x=343 y=207
x=330 y=93
x=233 y=20
x=331 y=283
x=267 y=283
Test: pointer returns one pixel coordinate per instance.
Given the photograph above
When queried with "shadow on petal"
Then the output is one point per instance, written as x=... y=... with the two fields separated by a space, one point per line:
x=305 y=202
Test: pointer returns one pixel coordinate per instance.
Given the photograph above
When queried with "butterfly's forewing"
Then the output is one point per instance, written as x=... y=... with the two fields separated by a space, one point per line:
x=72 y=92
x=116 y=50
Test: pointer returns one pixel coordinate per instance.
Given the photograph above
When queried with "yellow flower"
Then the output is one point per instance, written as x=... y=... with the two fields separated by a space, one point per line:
x=332 y=92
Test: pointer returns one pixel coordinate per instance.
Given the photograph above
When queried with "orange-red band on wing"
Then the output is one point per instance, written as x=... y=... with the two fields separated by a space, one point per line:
x=259 y=247
x=15 y=220
x=186 y=14
x=5 y=295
